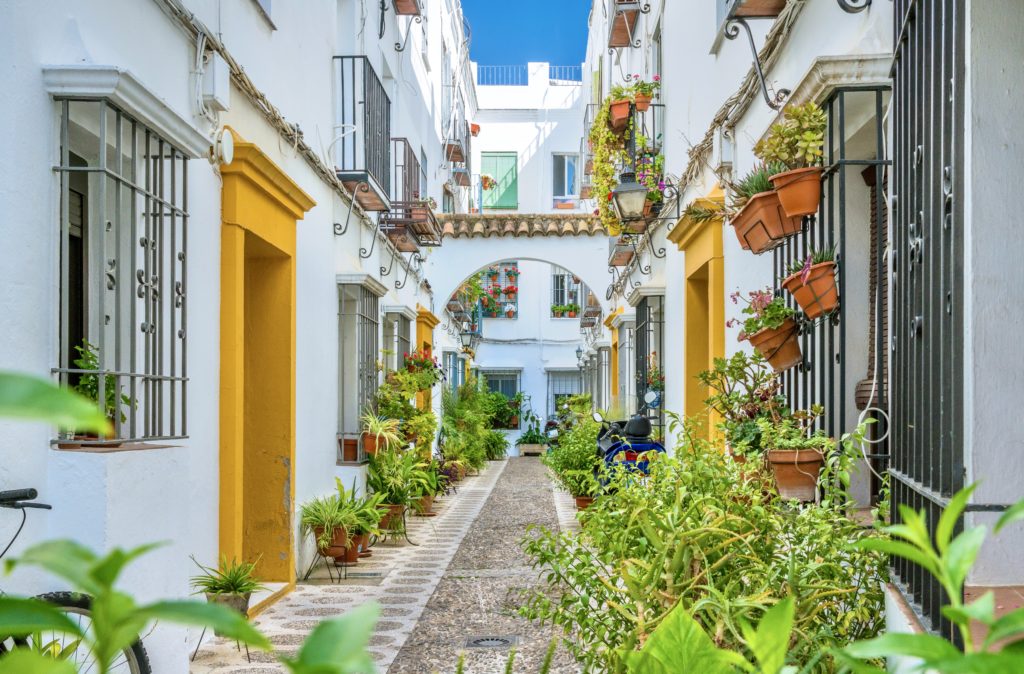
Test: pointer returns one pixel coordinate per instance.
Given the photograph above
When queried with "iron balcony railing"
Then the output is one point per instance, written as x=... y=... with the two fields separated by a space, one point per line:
x=410 y=223
x=519 y=75
x=363 y=131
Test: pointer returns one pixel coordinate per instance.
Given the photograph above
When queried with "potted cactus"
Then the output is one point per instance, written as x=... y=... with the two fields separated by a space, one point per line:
x=797 y=142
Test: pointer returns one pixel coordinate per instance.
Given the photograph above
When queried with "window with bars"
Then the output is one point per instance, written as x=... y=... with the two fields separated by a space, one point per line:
x=561 y=385
x=563 y=176
x=397 y=341
x=566 y=290
x=452 y=369
x=507 y=383
x=358 y=322
x=122 y=247
x=650 y=319
x=499 y=278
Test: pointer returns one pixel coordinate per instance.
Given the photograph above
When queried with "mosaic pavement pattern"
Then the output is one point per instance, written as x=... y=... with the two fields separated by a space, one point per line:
x=399 y=576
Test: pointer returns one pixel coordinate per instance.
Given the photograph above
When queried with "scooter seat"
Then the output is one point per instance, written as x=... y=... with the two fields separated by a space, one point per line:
x=638 y=429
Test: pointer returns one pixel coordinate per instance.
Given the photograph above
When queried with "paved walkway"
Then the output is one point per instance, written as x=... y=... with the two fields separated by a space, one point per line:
x=460 y=581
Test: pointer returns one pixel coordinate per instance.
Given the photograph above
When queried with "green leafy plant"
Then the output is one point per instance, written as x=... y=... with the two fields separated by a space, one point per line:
x=797 y=140
x=815 y=256
x=742 y=390
x=532 y=436
x=327 y=515
x=229 y=577
x=386 y=431
x=609 y=154
x=755 y=182
x=30 y=398
x=496 y=445
x=398 y=477
x=641 y=86
x=89 y=384
x=366 y=511
x=948 y=559
x=764 y=310
x=574 y=460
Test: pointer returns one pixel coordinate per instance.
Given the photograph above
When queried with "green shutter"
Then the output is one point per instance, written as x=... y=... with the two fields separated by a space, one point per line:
x=502 y=166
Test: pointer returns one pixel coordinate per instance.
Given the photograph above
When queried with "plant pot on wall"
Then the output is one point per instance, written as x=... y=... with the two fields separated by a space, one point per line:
x=572 y=314
x=799 y=190
x=349 y=449
x=796 y=472
x=510 y=313
x=474 y=129
x=642 y=101
x=819 y=295
x=780 y=346
x=618 y=114
x=369 y=444
x=762 y=225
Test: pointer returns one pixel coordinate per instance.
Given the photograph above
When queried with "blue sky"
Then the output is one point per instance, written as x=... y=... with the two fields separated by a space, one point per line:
x=513 y=33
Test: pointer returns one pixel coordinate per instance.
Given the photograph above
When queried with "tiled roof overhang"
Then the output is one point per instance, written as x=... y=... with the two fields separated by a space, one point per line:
x=555 y=224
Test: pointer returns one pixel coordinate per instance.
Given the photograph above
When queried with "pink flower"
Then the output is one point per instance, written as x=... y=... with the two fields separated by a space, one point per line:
x=657 y=78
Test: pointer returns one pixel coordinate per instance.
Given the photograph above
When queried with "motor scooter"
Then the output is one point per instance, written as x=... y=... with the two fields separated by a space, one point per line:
x=627 y=444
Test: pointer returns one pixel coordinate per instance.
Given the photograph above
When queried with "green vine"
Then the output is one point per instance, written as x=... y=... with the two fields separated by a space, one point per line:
x=608 y=153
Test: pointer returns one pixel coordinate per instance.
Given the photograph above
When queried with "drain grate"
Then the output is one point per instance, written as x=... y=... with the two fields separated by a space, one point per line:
x=505 y=641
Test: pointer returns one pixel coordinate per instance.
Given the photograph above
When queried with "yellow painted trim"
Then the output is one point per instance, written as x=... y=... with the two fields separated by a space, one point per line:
x=426 y=321
x=613 y=356
x=259 y=208
x=270 y=601
x=686 y=229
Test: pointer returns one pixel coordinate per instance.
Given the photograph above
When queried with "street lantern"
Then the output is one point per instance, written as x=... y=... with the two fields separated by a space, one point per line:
x=467 y=339
x=579 y=354
x=628 y=197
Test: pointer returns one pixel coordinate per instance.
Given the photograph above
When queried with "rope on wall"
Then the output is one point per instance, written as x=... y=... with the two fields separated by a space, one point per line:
x=289 y=132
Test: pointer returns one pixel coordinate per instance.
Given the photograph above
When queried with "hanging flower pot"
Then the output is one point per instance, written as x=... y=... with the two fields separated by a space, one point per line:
x=796 y=472
x=799 y=190
x=816 y=292
x=370 y=444
x=474 y=129
x=618 y=114
x=510 y=313
x=762 y=225
x=642 y=102
x=780 y=346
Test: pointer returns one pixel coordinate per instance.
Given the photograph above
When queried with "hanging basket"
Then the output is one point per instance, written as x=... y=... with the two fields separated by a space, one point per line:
x=799 y=190
x=780 y=346
x=796 y=472
x=762 y=225
x=819 y=296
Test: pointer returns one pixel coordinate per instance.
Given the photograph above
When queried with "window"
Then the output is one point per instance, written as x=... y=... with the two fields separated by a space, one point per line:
x=565 y=288
x=500 y=278
x=447 y=87
x=505 y=382
x=123 y=267
x=563 y=173
x=502 y=167
x=358 y=323
x=263 y=8
x=561 y=385
x=450 y=364
x=650 y=318
x=396 y=340
x=447 y=202
x=424 y=193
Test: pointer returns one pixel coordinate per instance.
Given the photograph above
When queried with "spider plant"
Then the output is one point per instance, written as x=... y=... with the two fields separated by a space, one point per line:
x=229 y=577
x=386 y=431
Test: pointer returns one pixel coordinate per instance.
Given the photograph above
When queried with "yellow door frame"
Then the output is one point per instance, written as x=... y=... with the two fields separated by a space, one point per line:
x=259 y=209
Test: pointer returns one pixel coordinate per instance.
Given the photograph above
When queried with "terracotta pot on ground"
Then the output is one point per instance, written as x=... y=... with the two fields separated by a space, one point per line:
x=393 y=518
x=819 y=295
x=642 y=101
x=762 y=225
x=235 y=602
x=351 y=555
x=618 y=114
x=425 y=506
x=363 y=543
x=780 y=346
x=336 y=548
x=583 y=502
x=796 y=472
x=799 y=190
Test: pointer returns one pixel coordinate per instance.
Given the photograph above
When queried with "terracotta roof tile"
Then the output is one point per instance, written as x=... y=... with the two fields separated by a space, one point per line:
x=544 y=224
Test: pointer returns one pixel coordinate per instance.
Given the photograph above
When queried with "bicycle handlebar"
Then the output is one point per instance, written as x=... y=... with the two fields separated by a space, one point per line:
x=14 y=495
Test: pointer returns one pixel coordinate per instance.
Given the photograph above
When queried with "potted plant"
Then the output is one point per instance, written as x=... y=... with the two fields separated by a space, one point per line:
x=379 y=433
x=493 y=273
x=643 y=92
x=532 y=442
x=761 y=224
x=324 y=518
x=396 y=476
x=231 y=584
x=619 y=102
x=557 y=310
x=487 y=182
x=510 y=292
x=366 y=515
x=516 y=405
x=429 y=487
x=571 y=310
x=88 y=385
x=812 y=282
x=797 y=142
x=474 y=129
x=794 y=454
x=510 y=311
x=770 y=328
x=655 y=379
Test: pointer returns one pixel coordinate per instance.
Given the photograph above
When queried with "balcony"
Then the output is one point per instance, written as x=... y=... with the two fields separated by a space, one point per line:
x=410 y=223
x=408 y=8
x=625 y=14
x=457 y=147
x=362 y=147
x=586 y=153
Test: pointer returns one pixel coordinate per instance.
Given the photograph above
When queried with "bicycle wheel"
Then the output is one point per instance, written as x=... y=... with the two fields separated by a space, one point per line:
x=132 y=660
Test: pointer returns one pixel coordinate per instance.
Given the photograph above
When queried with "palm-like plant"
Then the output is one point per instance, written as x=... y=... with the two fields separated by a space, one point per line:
x=322 y=516
x=387 y=432
x=230 y=577
x=397 y=476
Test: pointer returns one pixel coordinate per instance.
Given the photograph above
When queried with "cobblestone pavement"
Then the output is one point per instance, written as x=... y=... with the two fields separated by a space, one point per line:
x=479 y=592
x=399 y=576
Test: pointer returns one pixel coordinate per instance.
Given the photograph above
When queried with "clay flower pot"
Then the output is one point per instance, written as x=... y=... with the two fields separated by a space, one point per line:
x=236 y=602
x=510 y=297
x=425 y=506
x=583 y=502
x=780 y=346
x=362 y=543
x=393 y=518
x=799 y=190
x=642 y=102
x=351 y=555
x=572 y=314
x=762 y=225
x=558 y=314
x=369 y=444
x=510 y=314
x=618 y=114
x=474 y=129
x=336 y=548
x=819 y=296
x=796 y=472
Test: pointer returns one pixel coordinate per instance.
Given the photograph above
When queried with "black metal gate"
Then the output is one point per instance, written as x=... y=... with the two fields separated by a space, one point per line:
x=927 y=464
x=650 y=318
